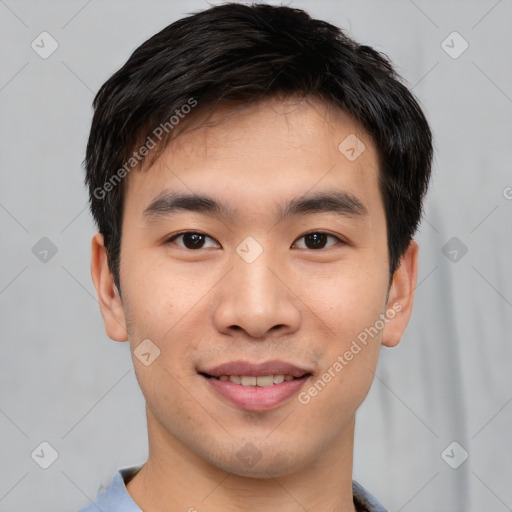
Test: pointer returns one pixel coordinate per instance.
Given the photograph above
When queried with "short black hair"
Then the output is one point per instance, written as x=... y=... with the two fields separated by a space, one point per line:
x=248 y=53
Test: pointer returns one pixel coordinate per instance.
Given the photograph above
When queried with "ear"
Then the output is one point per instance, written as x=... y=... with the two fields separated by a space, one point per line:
x=401 y=296
x=108 y=295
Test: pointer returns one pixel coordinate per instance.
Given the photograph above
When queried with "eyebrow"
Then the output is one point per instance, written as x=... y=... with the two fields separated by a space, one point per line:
x=338 y=202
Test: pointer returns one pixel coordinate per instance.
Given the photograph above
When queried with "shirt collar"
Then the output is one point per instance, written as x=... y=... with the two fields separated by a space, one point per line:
x=115 y=497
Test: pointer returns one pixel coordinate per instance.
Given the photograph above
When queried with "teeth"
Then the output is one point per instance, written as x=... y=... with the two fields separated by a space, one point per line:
x=249 y=381
x=262 y=381
x=278 y=379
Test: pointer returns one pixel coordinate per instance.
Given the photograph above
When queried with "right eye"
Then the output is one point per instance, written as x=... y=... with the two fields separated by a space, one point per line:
x=191 y=239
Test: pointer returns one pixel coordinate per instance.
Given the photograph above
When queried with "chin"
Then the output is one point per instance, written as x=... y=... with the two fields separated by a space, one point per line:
x=250 y=462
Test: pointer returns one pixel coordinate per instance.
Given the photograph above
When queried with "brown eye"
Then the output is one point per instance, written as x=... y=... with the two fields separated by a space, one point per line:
x=191 y=240
x=317 y=240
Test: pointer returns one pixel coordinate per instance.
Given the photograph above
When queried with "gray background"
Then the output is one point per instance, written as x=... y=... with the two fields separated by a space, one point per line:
x=64 y=382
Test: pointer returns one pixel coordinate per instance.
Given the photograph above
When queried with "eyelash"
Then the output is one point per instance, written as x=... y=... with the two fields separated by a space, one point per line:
x=177 y=235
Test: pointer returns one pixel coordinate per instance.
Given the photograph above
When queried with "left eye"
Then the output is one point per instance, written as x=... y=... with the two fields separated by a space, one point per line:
x=317 y=240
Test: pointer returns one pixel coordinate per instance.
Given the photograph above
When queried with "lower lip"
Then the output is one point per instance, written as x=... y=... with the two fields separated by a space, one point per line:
x=254 y=398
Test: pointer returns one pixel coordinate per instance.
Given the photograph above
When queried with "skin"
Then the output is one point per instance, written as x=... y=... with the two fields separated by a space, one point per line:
x=207 y=306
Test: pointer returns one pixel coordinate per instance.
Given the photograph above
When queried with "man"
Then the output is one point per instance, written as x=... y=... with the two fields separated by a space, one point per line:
x=257 y=178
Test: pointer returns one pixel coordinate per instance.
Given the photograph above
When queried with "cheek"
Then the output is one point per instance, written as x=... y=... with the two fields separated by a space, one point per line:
x=348 y=306
x=155 y=297
x=162 y=307
x=348 y=299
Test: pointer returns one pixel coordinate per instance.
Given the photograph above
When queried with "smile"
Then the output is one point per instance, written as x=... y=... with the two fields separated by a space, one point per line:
x=250 y=380
x=251 y=393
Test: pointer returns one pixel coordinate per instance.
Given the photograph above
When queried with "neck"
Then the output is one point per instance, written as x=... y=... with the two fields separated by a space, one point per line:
x=176 y=478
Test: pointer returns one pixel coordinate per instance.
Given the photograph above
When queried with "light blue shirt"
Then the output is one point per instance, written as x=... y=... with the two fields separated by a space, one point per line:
x=115 y=497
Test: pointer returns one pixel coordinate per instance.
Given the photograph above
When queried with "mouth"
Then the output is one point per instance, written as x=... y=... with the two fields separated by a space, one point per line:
x=255 y=387
x=262 y=381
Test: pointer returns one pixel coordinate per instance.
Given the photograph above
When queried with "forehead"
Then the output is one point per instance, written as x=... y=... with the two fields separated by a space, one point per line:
x=269 y=150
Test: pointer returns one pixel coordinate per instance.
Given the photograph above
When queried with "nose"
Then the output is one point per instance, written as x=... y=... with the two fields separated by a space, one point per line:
x=257 y=298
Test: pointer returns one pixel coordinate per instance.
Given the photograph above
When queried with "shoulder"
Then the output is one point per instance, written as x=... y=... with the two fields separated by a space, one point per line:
x=115 y=497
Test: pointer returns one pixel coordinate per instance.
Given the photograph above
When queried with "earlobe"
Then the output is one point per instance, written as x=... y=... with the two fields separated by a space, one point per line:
x=108 y=296
x=401 y=296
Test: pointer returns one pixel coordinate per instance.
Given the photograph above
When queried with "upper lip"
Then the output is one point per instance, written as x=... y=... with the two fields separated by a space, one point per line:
x=275 y=367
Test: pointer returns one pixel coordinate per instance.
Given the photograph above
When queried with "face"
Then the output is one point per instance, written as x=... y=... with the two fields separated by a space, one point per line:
x=288 y=275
